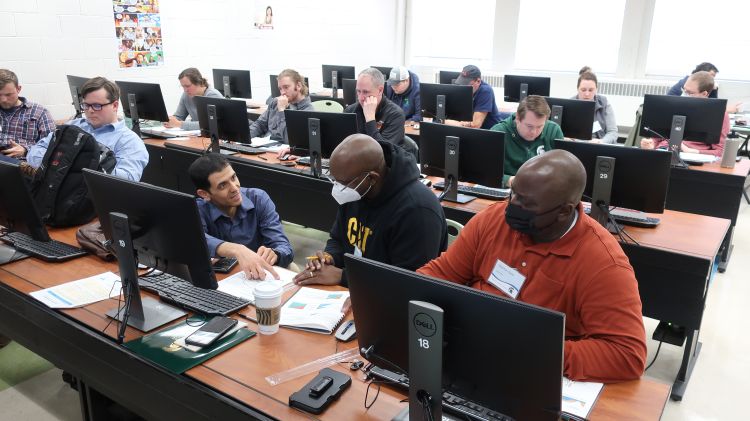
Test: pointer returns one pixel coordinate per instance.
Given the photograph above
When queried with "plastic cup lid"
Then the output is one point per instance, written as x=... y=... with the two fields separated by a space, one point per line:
x=267 y=289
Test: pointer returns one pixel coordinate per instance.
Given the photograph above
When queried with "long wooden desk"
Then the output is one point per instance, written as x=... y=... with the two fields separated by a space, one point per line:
x=672 y=262
x=229 y=386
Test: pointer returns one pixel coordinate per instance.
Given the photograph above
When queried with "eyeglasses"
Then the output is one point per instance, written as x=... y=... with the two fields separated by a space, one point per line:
x=95 y=107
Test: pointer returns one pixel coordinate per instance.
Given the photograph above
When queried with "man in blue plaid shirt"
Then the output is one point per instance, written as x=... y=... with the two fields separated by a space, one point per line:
x=22 y=122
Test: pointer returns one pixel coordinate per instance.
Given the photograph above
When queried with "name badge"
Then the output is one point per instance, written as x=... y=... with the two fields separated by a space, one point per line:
x=596 y=127
x=357 y=251
x=506 y=279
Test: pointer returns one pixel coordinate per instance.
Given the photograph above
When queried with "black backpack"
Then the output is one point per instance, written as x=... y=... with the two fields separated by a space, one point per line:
x=58 y=189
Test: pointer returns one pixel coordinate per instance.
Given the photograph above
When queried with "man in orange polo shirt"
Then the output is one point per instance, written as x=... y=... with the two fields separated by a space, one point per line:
x=541 y=248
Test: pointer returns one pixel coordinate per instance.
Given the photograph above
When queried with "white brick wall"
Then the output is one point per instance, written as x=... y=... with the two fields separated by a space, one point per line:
x=43 y=40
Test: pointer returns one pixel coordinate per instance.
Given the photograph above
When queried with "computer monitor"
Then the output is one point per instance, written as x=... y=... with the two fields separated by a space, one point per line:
x=317 y=133
x=447 y=77
x=342 y=72
x=386 y=71
x=142 y=101
x=17 y=210
x=233 y=83
x=623 y=177
x=275 y=92
x=165 y=225
x=75 y=83
x=350 y=91
x=500 y=353
x=446 y=101
x=224 y=119
x=677 y=118
x=462 y=154
x=516 y=87
x=575 y=117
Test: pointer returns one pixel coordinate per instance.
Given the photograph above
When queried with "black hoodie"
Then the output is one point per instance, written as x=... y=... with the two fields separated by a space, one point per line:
x=404 y=225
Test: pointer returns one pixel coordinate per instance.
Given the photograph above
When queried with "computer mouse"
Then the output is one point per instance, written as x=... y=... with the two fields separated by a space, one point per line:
x=346 y=332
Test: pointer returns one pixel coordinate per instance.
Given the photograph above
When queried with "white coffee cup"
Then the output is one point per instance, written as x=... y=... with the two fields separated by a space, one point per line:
x=268 y=306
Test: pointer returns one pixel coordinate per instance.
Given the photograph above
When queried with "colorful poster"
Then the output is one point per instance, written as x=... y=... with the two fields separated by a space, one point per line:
x=138 y=32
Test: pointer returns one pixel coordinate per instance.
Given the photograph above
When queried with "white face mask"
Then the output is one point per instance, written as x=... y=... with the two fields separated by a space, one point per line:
x=344 y=194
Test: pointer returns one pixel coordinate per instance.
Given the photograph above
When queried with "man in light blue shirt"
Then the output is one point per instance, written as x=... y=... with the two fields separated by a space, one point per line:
x=100 y=104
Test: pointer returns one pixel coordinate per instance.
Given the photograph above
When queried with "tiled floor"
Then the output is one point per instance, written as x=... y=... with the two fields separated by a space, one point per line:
x=715 y=392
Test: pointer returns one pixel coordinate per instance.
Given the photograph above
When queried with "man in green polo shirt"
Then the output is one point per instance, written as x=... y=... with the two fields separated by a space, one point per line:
x=528 y=133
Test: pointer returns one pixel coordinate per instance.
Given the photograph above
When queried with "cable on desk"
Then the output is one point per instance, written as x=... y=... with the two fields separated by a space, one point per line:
x=655 y=355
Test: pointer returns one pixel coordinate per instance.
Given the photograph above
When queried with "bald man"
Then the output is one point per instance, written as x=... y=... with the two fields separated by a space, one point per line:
x=385 y=213
x=541 y=248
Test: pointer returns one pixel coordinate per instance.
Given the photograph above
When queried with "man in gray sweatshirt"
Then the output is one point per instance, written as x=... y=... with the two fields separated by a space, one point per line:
x=293 y=97
x=193 y=84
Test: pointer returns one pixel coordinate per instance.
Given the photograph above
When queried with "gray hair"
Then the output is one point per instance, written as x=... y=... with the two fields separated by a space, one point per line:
x=377 y=76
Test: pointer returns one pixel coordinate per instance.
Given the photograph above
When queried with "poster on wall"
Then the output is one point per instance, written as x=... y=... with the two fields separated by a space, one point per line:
x=263 y=15
x=138 y=31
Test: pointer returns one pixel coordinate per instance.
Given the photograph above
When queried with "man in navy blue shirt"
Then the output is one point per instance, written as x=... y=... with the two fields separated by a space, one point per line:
x=486 y=113
x=403 y=90
x=239 y=222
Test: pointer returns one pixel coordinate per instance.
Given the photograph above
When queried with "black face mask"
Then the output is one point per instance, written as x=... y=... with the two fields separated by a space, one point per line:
x=523 y=220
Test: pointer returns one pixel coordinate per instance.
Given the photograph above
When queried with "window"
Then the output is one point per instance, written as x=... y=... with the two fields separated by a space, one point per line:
x=567 y=35
x=688 y=32
x=449 y=33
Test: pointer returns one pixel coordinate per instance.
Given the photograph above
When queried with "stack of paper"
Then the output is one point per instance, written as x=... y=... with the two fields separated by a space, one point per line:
x=579 y=397
x=240 y=286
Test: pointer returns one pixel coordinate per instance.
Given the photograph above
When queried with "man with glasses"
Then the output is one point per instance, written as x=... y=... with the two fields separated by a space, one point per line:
x=377 y=116
x=385 y=213
x=528 y=133
x=100 y=105
x=698 y=85
x=22 y=122
x=539 y=247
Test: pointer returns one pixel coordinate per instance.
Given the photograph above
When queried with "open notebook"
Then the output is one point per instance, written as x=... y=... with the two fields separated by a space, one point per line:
x=314 y=310
x=240 y=286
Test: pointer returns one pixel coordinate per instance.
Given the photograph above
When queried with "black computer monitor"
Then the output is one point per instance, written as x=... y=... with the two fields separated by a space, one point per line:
x=677 y=118
x=142 y=101
x=165 y=225
x=305 y=128
x=222 y=119
x=447 y=77
x=500 y=353
x=574 y=116
x=630 y=178
x=462 y=154
x=342 y=72
x=350 y=91
x=516 y=87
x=75 y=83
x=386 y=71
x=233 y=83
x=447 y=101
x=17 y=210
x=275 y=92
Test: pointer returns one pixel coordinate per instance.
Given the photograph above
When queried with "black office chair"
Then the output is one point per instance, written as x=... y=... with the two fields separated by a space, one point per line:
x=409 y=145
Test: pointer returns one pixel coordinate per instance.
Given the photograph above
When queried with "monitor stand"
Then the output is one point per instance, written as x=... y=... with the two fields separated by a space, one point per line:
x=10 y=254
x=675 y=140
x=524 y=92
x=557 y=114
x=440 y=109
x=74 y=93
x=601 y=192
x=213 y=128
x=135 y=120
x=143 y=314
x=227 y=87
x=451 y=193
x=315 y=146
x=334 y=84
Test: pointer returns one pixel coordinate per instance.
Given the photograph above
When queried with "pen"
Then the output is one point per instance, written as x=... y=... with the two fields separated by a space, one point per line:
x=326 y=255
x=263 y=157
x=244 y=316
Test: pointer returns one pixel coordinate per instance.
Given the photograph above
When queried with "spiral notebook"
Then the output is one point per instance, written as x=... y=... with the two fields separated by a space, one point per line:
x=314 y=310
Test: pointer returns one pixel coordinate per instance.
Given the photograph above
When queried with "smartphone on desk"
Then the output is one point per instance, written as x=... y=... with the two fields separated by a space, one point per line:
x=211 y=331
x=224 y=264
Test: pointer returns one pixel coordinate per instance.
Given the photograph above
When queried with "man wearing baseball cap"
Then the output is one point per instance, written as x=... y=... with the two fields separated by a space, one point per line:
x=403 y=90
x=486 y=113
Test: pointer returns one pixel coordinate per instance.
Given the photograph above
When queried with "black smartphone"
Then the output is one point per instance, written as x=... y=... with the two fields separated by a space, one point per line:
x=224 y=264
x=211 y=331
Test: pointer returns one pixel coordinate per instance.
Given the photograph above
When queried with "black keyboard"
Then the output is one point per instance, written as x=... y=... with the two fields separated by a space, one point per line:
x=305 y=160
x=451 y=403
x=51 y=251
x=237 y=147
x=478 y=191
x=631 y=217
x=184 y=294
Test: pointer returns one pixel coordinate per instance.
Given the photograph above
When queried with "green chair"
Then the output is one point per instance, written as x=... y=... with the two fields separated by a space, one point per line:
x=453 y=226
x=634 y=138
x=328 y=106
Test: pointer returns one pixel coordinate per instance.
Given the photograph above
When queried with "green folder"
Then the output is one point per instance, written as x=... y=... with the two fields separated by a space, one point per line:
x=160 y=348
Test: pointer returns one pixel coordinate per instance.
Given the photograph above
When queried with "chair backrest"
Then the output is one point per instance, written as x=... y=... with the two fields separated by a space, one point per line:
x=453 y=226
x=328 y=106
x=409 y=145
x=633 y=139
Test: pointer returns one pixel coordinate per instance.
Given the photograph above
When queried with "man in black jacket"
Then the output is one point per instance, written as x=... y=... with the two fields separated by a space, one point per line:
x=385 y=213
x=377 y=116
